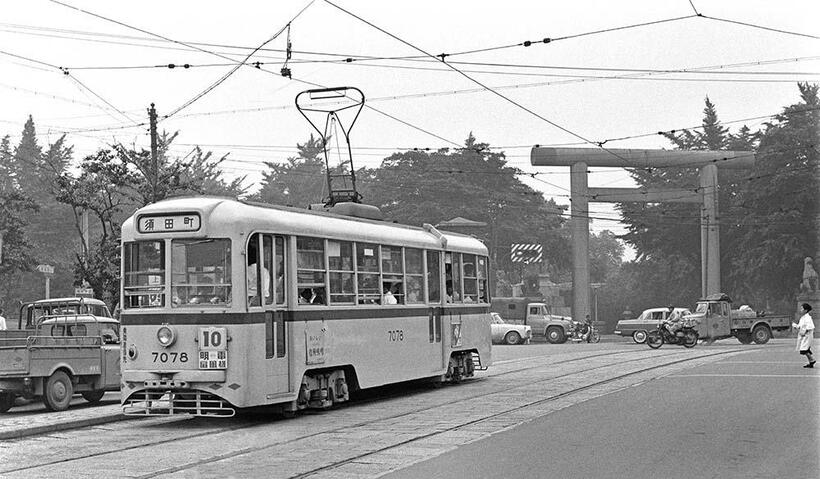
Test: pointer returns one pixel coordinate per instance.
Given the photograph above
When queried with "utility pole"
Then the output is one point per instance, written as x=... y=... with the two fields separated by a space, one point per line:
x=152 y=121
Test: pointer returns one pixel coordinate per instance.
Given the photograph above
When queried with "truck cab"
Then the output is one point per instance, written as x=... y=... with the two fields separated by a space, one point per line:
x=536 y=314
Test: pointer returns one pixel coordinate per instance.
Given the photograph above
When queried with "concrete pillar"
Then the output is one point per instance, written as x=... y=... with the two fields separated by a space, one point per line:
x=580 y=243
x=710 y=231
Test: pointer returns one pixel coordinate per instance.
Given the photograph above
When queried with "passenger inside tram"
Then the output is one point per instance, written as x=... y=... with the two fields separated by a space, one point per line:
x=312 y=296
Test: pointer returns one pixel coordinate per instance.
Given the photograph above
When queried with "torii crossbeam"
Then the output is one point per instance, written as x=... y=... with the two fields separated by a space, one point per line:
x=579 y=159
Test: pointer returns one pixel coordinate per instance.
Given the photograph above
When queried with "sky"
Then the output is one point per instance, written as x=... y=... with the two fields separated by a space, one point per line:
x=613 y=72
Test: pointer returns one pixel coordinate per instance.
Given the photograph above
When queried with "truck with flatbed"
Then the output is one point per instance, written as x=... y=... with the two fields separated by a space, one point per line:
x=534 y=313
x=63 y=355
x=717 y=320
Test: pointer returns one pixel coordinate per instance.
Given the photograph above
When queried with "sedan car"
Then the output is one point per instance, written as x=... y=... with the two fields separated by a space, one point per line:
x=647 y=321
x=508 y=333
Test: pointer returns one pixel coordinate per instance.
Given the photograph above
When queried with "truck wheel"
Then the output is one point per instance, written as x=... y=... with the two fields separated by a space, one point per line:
x=58 y=391
x=761 y=334
x=744 y=338
x=512 y=338
x=639 y=337
x=6 y=401
x=93 y=396
x=555 y=335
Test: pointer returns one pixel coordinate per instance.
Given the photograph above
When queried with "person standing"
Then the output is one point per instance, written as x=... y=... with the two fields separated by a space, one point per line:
x=805 y=335
x=3 y=326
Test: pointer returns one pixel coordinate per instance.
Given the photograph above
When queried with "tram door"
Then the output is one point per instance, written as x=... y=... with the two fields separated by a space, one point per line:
x=270 y=279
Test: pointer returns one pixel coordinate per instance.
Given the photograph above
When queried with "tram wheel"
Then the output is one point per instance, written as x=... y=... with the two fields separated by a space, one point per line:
x=6 y=401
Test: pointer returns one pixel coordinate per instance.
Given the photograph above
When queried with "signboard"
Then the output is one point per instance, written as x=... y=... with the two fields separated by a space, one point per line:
x=84 y=292
x=526 y=253
x=168 y=223
x=45 y=268
x=213 y=348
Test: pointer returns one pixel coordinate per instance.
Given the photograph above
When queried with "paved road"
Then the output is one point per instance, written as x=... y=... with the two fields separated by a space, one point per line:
x=727 y=405
x=753 y=415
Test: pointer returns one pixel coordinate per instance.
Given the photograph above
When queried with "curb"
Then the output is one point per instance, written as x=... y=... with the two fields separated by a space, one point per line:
x=63 y=426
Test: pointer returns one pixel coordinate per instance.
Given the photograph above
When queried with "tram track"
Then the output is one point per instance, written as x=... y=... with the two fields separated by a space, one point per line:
x=472 y=385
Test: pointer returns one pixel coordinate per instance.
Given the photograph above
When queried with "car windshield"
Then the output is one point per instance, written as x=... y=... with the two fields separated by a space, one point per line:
x=702 y=307
x=497 y=319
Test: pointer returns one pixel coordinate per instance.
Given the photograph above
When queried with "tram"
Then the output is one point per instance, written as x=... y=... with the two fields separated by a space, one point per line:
x=229 y=304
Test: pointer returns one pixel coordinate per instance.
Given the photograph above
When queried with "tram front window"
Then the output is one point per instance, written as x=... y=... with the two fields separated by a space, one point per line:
x=144 y=274
x=200 y=272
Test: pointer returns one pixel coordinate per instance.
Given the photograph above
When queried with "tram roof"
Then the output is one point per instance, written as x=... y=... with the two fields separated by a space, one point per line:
x=249 y=217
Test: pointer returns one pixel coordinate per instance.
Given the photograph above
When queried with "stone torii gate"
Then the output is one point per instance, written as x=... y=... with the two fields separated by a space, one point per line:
x=579 y=159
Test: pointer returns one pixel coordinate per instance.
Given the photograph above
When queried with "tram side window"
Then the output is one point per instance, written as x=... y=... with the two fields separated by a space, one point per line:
x=414 y=265
x=279 y=289
x=481 y=271
x=452 y=272
x=144 y=274
x=433 y=276
x=200 y=272
x=259 y=259
x=310 y=270
x=392 y=275
x=470 y=278
x=340 y=261
x=367 y=272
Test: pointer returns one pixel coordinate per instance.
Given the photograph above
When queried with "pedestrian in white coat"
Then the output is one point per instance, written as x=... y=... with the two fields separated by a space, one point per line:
x=805 y=334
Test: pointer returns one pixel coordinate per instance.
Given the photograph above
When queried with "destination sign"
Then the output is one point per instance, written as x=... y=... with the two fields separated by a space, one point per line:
x=168 y=223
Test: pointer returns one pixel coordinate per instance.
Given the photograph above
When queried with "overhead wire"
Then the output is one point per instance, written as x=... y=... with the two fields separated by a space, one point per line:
x=477 y=82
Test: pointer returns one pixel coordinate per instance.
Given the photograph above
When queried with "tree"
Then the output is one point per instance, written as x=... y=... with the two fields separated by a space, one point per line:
x=161 y=177
x=667 y=235
x=300 y=182
x=605 y=255
x=417 y=187
x=780 y=204
x=16 y=251
x=100 y=189
x=113 y=182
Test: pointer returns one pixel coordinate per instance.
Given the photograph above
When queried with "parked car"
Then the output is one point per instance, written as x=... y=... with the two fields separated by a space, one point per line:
x=507 y=333
x=647 y=321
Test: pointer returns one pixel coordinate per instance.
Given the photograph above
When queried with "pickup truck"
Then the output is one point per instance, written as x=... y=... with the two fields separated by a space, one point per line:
x=649 y=320
x=63 y=355
x=537 y=315
x=717 y=320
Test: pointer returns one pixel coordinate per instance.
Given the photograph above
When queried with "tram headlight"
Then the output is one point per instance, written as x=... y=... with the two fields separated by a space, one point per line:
x=166 y=336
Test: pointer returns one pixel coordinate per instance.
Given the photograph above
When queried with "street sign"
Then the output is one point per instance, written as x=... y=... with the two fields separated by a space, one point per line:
x=45 y=268
x=84 y=292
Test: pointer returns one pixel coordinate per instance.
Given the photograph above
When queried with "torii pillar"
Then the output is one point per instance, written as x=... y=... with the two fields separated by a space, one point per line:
x=579 y=159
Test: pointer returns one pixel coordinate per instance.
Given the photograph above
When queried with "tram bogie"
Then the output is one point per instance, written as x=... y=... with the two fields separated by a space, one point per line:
x=231 y=305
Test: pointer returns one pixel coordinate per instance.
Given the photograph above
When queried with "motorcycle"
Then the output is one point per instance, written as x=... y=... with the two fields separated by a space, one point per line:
x=684 y=334
x=581 y=332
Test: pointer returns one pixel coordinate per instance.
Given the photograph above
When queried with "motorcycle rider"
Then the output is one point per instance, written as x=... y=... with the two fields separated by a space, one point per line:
x=673 y=323
x=585 y=328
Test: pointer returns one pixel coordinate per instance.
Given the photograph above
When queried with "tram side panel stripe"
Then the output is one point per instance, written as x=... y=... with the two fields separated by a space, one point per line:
x=289 y=316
